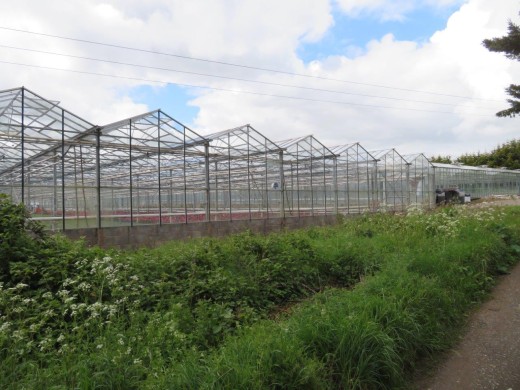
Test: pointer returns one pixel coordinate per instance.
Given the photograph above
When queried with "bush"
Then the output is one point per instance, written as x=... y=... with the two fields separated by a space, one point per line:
x=20 y=237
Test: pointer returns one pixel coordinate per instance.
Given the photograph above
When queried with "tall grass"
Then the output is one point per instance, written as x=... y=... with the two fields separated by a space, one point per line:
x=371 y=337
x=349 y=306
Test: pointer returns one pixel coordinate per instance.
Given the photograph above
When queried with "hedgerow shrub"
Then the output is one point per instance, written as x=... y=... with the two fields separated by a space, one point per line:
x=20 y=237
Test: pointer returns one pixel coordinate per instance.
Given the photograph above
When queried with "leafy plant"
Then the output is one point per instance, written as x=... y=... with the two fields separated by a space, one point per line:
x=20 y=237
x=318 y=308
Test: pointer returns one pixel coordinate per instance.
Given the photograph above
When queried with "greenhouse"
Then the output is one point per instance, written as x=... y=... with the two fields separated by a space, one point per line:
x=308 y=177
x=477 y=181
x=153 y=170
x=420 y=179
x=391 y=191
x=356 y=179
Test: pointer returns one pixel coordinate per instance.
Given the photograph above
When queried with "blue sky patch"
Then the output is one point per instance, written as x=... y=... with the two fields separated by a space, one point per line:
x=172 y=99
x=349 y=33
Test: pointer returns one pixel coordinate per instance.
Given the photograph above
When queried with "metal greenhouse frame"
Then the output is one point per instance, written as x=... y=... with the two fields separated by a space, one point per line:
x=43 y=161
x=144 y=165
x=309 y=177
x=392 y=180
x=420 y=176
x=356 y=179
x=151 y=170
x=244 y=167
x=477 y=181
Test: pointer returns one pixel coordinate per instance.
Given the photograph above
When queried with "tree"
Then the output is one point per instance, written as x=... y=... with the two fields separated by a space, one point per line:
x=506 y=155
x=510 y=46
x=441 y=159
x=474 y=160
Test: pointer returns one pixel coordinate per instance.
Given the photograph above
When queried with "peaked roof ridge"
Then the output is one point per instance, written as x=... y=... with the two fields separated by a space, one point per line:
x=39 y=107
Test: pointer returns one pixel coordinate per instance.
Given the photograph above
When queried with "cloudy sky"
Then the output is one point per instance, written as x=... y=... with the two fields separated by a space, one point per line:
x=407 y=74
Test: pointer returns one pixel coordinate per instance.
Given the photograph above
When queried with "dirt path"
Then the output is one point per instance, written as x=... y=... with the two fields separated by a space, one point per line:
x=488 y=357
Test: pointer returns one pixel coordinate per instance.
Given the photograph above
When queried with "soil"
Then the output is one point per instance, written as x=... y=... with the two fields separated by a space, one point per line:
x=488 y=355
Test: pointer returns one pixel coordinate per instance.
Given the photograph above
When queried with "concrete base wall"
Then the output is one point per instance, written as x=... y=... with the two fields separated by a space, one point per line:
x=127 y=237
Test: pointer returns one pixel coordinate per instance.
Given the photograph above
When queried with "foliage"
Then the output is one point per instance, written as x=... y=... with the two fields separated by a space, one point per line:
x=441 y=159
x=510 y=46
x=280 y=311
x=20 y=237
x=371 y=337
x=98 y=311
x=506 y=155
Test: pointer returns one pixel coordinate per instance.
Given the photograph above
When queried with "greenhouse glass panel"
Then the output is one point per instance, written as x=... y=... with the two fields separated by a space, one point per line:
x=244 y=175
x=37 y=139
x=420 y=181
x=356 y=174
x=392 y=181
x=309 y=176
x=151 y=169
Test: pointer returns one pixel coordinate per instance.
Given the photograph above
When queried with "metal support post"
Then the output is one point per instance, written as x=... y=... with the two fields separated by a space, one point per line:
x=63 y=208
x=266 y=181
x=408 y=185
x=184 y=176
x=248 y=175
x=335 y=184
x=208 y=191
x=98 y=175
x=159 y=164
x=282 y=186
x=23 y=145
x=54 y=185
x=298 y=178
x=131 y=177
x=324 y=181
x=229 y=177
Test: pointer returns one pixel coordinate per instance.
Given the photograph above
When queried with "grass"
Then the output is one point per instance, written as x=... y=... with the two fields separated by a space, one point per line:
x=356 y=305
x=370 y=337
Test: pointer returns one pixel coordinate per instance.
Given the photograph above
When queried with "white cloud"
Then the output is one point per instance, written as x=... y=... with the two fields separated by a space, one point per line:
x=386 y=10
x=267 y=34
x=454 y=63
x=390 y=9
x=258 y=33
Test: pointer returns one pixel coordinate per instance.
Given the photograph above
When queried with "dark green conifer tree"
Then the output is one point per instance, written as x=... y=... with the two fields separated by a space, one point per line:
x=510 y=46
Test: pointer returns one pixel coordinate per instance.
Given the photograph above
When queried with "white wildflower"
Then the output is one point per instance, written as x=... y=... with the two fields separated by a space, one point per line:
x=68 y=282
x=83 y=286
x=5 y=326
